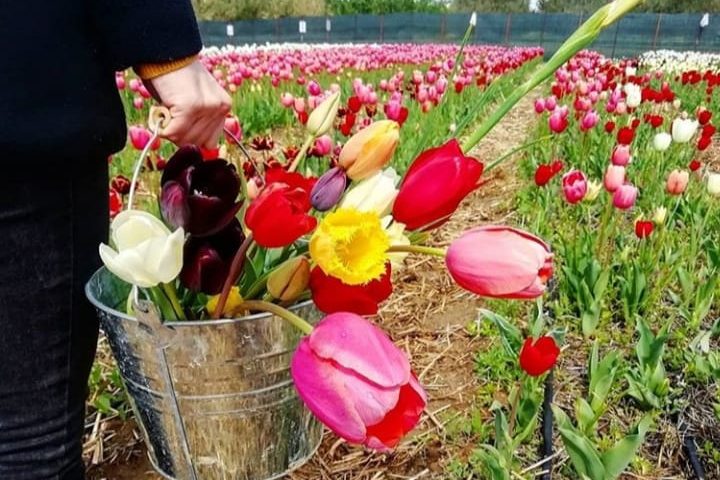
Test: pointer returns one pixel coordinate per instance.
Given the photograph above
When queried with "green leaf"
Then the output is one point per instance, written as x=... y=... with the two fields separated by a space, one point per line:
x=686 y=282
x=493 y=463
x=583 y=455
x=621 y=454
x=601 y=284
x=103 y=403
x=511 y=336
x=585 y=415
x=602 y=376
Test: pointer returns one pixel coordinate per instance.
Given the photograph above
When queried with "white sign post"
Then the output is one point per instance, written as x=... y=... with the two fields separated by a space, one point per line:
x=302 y=28
x=230 y=30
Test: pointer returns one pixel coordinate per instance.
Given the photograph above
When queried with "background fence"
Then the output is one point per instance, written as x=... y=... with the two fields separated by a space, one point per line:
x=633 y=35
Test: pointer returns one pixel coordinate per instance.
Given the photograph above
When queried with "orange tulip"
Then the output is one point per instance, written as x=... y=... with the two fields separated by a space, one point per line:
x=369 y=150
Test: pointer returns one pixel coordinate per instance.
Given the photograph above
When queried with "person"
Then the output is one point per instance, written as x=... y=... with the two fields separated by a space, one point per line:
x=60 y=119
x=704 y=22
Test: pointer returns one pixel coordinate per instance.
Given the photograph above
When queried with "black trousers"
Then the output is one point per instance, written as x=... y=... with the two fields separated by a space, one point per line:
x=53 y=215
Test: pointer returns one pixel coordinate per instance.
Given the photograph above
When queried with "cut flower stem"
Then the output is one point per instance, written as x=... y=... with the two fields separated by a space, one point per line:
x=421 y=249
x=285 y=314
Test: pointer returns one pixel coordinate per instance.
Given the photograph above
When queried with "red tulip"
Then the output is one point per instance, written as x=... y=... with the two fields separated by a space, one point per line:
x=500 y=262
x=232 y=125
x=704 y=116
x=609 y=126
x=643 y=228
x=357 y=382
x=695 y=165
x=704 y=143
x=538 y=357
x=543 y=174
x=625 y=136
x=278 y=216
x=121 y=184
x=291 y=179
x=331 y=295
x=115 y=202
x=437 y=181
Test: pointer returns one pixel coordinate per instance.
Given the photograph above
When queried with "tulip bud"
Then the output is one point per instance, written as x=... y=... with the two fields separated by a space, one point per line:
x=621 y=155
x=677 y=182
x=713 y=184
x=328 y=189
x=321 y=119
x=233 y=304
x=575 y=186
x=683 y=129
x=614 y=177
x=661 y=141
x=369 y=150
x=288 y=281
x=625 y=196
x=593 y=190
x=659 y=216
x=473 y=19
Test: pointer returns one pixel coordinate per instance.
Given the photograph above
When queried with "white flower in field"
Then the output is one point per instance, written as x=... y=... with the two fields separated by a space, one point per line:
x=683 y=129
x=375 y=194
x=660 y=215
x=147 y=253
x=633 y=95
x=713 y=184
x=593 y=190
x=662 y=141
x=630 y=71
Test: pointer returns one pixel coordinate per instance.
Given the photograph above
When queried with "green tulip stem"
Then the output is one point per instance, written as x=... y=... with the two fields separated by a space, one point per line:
x=171 y=292
x=421 y=249
x=233 y=275
x=459 y=56
x=514 y=408
x=302 y=153
x=512 y=152
x=285 y=314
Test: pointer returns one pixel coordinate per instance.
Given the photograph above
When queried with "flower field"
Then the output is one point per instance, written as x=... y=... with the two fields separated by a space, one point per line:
x=594 y=348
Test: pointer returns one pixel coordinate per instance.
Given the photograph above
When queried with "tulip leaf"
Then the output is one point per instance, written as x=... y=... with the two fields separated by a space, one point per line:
x=493 y=463
x=602 y=376
x=583 y=455
x=585 y=415
x=621 y=454
x=510 y=335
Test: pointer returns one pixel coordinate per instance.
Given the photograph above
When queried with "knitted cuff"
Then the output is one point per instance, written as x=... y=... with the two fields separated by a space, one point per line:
x=153 y=70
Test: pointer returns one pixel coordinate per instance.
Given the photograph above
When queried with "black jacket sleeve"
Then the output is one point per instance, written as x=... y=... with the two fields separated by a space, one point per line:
x=136 y=32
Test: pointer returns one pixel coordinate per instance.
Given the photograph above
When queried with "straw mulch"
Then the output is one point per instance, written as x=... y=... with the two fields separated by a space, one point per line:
x=426 y=316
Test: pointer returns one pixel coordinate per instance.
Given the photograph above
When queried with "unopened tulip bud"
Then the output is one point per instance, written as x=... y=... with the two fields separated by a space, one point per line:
x=473 y=19
x=321 y=119
x=683 y=129
x=329 y=189
x=625 y=196
x=661 y=141
x=233 y=305
x=593 y=190
x=369 y=150
x=713 y=184
x=288 y=281
x=677 y=182
x=660 y=216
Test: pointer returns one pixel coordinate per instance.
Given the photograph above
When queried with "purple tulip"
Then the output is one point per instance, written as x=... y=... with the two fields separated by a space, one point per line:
x=200 y=196
x=328 y=189
x=207 y=260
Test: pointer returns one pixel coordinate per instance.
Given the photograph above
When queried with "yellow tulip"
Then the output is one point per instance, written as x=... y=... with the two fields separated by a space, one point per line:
x=233 y=306
x=369 y=150
x=288 y=281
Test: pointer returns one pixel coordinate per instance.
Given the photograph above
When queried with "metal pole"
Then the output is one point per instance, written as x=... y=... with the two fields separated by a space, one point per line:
x=657 y=30
x=617 y=29
x=508 y=23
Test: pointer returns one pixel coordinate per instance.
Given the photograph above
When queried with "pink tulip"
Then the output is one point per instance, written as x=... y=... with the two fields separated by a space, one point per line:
x=590 y=120
x=677 y=182
x=550 y=103
x=134 y=84
x=313 y=88
x=287 y=100
x=357 y=382
x=539 y=105
x=120 y=82
x=139 y=136
x=575 y=186
x=614 y=177
x=500 y=262
x=625 y=196
x=323 y=146
x=232 y=125
x=557 y=122
x=138 y=102
x=621 y=155
x=299 y=104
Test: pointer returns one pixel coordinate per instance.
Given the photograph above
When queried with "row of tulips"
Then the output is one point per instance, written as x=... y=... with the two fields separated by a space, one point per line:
x=623 y=181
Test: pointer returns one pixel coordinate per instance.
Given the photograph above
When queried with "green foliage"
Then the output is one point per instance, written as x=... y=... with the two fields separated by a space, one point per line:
x=647 y=382
x=379 y=7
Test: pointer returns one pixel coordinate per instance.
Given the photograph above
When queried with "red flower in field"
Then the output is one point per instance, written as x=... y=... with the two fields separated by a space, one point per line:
x=292 y=179
x=609 y=126
x=303 y=117
x=625 y=136
x=708 y=130
x=643 y=228
x=331 y=295
x=655 y=120
x=538 y=357
x=116 y=203
x=695 y=165
x=437 y=181
x=278 y=216
x=546 y=171
x=704 y=116
x=121 y=184
x=635 y=123
x=354 y=104
x=704 y=143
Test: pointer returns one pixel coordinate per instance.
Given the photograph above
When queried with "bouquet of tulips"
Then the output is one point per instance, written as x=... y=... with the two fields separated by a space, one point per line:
x=232 y=237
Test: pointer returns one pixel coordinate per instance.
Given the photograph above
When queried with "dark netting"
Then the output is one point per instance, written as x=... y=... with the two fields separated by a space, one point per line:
x=634 y=34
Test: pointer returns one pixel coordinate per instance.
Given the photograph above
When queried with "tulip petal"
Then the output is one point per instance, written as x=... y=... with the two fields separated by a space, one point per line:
x=320 y=386
x=127 y=266
x=165 y=256
x=174 y=204
x=132 y=227
x=183 y=159
x=403 y=417
x=358 y=345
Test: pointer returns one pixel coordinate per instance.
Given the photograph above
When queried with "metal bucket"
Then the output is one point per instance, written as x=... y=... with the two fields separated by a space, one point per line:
x=215 y=399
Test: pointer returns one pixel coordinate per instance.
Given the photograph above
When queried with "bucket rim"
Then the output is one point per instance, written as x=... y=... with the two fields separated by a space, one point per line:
x=181 y=323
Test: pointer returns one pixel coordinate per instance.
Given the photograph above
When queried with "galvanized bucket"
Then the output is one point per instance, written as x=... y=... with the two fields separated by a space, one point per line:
x=215 y=399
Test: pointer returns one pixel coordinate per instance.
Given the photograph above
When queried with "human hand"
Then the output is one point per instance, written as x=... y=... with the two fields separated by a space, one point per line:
x=197 y=104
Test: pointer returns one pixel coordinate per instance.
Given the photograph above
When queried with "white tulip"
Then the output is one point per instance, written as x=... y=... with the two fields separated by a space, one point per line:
x=147 y=253
x=396 y=232
x=713 y=184
x=630 y=71
x=375 y=194
x=633 y=94
x=661 y=141
x=660 y=215
x=683 y=129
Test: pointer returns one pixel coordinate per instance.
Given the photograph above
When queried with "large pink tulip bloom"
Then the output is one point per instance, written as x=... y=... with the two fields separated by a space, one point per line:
x=357 y=382
x=500 y=262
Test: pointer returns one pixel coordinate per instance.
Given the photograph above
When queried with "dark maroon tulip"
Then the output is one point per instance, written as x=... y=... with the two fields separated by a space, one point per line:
x=207 y=260
x=200 y=196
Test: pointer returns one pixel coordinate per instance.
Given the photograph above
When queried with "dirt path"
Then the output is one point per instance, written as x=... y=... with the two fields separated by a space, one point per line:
x=426 y=316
